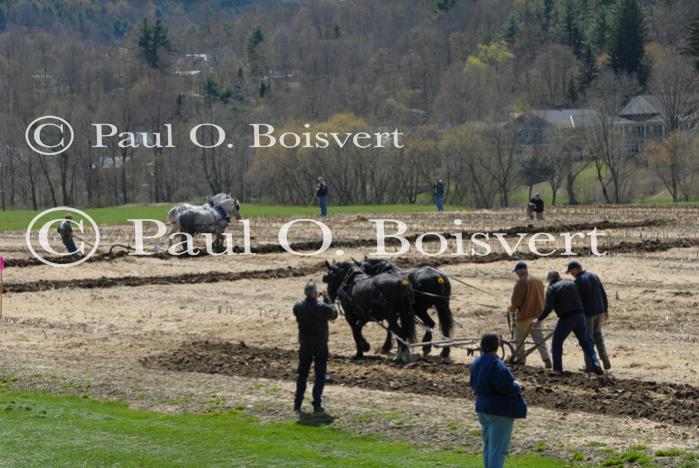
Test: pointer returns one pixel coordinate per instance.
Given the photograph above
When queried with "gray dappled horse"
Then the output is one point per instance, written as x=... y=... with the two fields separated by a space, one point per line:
x=212 y=217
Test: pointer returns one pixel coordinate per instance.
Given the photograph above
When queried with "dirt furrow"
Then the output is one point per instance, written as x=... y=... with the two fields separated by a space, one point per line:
x=118 y=251
x=286 y=272
x=666 y=403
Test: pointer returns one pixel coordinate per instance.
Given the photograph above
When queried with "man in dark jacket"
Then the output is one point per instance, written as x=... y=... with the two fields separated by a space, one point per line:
x=312 y=316
x=563 y=297
x=438 y=193
x=594 y=299
x=536 y=207
x=499 y=401
x=322 y=195
x=66 y=231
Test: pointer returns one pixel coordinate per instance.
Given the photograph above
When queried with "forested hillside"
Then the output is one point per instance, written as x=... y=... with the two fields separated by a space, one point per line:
x=459 y=77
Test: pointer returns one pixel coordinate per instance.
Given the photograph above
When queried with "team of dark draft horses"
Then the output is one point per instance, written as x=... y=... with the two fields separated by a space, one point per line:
x=378 y=290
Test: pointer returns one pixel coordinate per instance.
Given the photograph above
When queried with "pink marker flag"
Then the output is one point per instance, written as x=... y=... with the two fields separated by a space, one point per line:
x=2 y=263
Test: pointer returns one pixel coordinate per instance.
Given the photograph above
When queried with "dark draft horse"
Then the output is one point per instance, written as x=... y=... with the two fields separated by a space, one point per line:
x=432 y=289
x=365 y=298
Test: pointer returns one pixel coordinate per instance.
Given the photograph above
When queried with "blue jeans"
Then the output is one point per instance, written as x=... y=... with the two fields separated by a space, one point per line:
x=496 y=432
x=312 y=353
x=69 y=244
x=439 y=201
x=575 y=324
x=323 y=205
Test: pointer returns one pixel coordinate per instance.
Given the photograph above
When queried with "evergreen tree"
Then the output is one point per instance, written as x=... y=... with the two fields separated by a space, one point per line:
x=255 y=38
x=511 y=30
x=589 y=71
x=626 y=45
x=570 y=27
x=151 y=40
x=548 y=15
x=601 y=30
x=692 y=47
x=213 y=91
x=444 y=5
x=572 y=92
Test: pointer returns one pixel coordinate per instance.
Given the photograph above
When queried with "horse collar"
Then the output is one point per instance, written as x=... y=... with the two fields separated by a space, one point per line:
x=221 y=213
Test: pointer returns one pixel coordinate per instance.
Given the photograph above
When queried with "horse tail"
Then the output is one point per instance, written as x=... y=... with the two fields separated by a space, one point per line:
x=446 y=318
x=406 y=311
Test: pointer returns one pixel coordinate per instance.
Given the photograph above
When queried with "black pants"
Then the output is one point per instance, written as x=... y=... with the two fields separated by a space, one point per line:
x=309 y=353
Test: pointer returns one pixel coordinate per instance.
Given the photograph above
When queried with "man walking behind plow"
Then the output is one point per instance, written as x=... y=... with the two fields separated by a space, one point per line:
x=526 y=305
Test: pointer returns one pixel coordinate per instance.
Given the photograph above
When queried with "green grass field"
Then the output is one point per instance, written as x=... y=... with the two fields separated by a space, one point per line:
x=37 y=429
x=19 y=219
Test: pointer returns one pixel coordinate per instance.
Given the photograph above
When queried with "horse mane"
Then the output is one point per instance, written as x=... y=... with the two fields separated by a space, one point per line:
x=352 y=272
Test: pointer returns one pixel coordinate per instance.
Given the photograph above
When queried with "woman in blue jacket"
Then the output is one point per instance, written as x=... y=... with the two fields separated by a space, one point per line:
x=499 y=401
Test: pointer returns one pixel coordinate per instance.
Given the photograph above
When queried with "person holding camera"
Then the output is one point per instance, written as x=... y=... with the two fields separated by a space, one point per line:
x=499 y=401
x=313 y=316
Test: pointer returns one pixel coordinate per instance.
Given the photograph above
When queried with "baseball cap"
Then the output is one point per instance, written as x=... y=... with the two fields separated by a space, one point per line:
x=573 y=264
x=520 y=266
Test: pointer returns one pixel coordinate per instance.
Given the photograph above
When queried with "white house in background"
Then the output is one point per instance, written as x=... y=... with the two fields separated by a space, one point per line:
x=536 y=127
x=644 y=120
x=641 y=121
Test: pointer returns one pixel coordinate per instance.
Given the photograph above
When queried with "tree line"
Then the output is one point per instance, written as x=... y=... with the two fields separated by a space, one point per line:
x=460 y=78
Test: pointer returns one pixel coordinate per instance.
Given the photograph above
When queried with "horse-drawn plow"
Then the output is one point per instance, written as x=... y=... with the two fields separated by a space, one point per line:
x=508 y=347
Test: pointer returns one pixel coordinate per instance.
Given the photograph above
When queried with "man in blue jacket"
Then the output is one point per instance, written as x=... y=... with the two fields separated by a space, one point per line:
x=594 y=299
x=563 y=296
x=499 y=401
x=438 y=193
x=322 y=195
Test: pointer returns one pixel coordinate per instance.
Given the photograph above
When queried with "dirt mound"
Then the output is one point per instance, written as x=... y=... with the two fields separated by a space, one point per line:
x=667 y=403
x=647 y=245
x=188 y=278
x=31 y=261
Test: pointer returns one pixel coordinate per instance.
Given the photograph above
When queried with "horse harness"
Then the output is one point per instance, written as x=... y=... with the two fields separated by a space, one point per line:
x=342 y=293
x=222 y=217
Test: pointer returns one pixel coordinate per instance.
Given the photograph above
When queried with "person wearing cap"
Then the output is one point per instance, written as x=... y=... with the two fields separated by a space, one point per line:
x=66 y=231
x=526 y=305
x=563 y=297
x=536 y=207
x=594 y=299
x=499 y=401
x=312 y=316
x=438 y=193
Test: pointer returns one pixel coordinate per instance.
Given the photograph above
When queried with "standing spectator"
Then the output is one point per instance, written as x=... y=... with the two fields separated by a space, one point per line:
x=312 y=316
x=594 y=299
x=563 y=296
x=66 y=231
x=438 y=192
x=536 y=207
x=499 y=401
x=527 y=304
x=322 y=194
